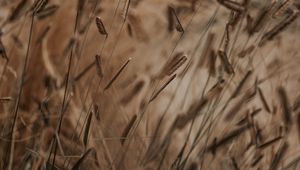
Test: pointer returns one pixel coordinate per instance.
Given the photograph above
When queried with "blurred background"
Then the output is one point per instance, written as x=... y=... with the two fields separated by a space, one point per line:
x=149 y=84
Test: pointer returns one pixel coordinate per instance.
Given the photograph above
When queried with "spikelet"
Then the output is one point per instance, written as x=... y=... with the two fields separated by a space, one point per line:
x=174 y=20
x=155 y=95
x=47 y=12
x=99 y=66
x=101 y=27
x=114 y=78
x=226 y=64
x=170 y=67
x=232 y=5
x=279 y=27
x=16 y=13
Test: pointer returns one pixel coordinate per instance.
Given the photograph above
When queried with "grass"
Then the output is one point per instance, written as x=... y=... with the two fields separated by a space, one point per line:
x=149 y=84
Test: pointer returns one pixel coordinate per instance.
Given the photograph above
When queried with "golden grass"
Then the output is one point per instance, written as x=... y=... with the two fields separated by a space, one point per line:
x=149 y=84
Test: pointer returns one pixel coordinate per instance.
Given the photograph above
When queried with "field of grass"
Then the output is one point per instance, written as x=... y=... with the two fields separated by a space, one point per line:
x=150 y=84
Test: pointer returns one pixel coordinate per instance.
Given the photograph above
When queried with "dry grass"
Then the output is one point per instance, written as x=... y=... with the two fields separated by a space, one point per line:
x=149 y=84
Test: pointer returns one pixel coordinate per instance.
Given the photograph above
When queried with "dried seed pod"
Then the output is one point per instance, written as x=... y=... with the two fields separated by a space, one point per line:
x=154 y=96
x=264 y=101
x=101 y=27
x=3 y=51
x=38 y=6
x=259 y=22
x=285 y=106
x=171 y=15
x=212 y=62
x=117 y=74
x=134 y=91
x=87 y=129
x=232 y=5
x=227 y=138
x=246 y=51
x=170 y=67
x=48 y=11
x=99 y=66
x=226 y=64
x=16 y=13
x=241 y=84
x=182 y=120
x=278 y=156
x=279 y=28
x=282 y=8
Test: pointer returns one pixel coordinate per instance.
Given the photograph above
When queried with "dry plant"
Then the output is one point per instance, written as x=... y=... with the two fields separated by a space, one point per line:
x=149 y=84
